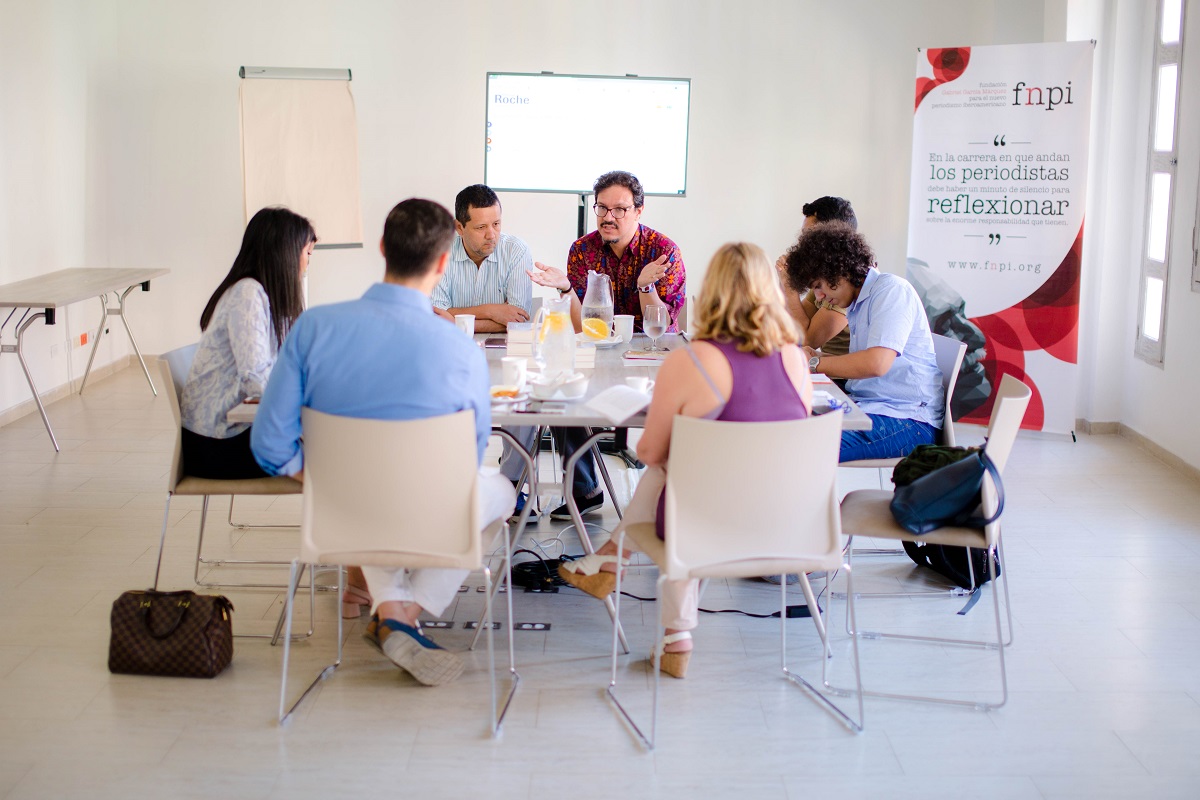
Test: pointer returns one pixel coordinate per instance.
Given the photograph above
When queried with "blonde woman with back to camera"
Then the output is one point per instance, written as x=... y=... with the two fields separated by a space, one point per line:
x=744 y=366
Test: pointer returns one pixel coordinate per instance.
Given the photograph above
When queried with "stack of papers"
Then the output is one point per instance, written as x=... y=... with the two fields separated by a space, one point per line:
x=585 y=356
x=520 y=340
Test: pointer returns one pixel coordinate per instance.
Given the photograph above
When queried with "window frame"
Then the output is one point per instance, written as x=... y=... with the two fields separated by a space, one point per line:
x=1152 y=350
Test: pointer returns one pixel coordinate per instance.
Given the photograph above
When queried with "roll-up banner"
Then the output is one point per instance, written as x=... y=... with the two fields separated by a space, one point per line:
x=995 y=231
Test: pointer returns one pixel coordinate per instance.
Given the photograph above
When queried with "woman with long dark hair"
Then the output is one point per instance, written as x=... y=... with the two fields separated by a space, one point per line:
x=243 y=326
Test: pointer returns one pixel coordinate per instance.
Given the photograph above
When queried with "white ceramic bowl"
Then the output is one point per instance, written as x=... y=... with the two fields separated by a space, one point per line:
x=575 y=387
x=572 y=388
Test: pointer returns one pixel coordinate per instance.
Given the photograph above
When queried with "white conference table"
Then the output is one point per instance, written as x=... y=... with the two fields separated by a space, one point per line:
x=59 y=289
x=611 y=369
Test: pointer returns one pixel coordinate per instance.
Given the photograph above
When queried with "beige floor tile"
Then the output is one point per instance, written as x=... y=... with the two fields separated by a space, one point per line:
x=1104 y=694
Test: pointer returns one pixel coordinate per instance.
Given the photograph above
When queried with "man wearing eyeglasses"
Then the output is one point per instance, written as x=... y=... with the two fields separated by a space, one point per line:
x=646 y=269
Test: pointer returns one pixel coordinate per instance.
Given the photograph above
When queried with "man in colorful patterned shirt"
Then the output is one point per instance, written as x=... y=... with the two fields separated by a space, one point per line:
x=646 y=269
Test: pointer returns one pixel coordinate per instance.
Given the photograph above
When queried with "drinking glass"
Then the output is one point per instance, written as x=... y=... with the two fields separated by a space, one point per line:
x=654 y=323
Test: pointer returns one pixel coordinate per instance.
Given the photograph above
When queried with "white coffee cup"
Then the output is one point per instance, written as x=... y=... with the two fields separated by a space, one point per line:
x=514 y=371
x=465 y=323
x=623 y=326
x=643 y=385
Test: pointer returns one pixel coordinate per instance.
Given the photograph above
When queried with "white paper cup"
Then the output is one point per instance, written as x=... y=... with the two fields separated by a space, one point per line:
x=639 y=384
x=465 y=323
x=514 y=371
x=623 y=326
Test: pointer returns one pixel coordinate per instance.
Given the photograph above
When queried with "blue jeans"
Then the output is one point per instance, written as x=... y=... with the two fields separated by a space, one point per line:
x=568 y=441
x=889 y=437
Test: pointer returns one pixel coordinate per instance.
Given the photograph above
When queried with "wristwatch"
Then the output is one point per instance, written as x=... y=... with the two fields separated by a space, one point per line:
x=813 y=362
x=647 y=288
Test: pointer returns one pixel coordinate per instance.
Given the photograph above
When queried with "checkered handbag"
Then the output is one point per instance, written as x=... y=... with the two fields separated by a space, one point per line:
x=177 y=634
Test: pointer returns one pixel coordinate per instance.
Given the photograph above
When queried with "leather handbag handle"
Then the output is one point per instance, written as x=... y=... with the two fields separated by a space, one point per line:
x=184 y=606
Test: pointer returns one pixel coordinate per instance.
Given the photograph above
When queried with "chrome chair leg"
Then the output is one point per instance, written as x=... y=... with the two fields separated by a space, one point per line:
x=162 y=540
x=243 y=526
x=822 y=626
x=581 y=529
x=618 y=641
x=231 y=562
x=998 y=645
x=287 y=645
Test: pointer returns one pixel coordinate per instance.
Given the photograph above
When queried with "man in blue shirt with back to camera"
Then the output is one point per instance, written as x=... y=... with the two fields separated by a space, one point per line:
x=891 y=371
x=387 y=356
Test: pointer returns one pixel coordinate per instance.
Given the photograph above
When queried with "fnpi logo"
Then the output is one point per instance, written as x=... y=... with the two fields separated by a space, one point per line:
x=1049 y=97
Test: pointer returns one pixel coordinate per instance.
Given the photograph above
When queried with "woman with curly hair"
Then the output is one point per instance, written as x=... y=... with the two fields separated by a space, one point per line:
x=743 y=366
x=891 y=371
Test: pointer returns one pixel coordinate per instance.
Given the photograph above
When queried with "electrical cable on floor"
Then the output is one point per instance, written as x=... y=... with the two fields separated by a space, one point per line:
x=793 y=611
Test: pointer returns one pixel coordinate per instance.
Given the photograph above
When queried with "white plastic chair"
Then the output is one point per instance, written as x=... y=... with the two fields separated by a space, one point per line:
x=173 y=368
x=745 y=499
x=396 y=493
x=867 y=512
x=949 y=353
x=179 y=362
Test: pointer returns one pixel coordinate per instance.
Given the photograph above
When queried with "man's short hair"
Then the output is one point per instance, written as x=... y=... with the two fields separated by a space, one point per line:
x=621 y=178
x=830 y=252
x=831 y=209
x=474 y=196
x=415 y=234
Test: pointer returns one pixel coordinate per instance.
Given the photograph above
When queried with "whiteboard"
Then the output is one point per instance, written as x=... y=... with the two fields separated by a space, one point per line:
x=558 y=133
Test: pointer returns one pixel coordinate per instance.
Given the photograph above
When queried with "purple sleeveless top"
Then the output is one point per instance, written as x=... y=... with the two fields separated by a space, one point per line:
x=762 y=392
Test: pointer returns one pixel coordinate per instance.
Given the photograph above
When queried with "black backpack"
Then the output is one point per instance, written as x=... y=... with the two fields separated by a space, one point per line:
x=954 y=563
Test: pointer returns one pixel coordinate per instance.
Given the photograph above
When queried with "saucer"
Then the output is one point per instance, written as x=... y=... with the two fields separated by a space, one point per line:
x=519 y=397
x=611 y=341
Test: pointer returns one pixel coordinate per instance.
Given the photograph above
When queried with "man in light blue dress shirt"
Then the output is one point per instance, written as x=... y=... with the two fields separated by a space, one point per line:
x=387 y=356
x=891 y=369
x=488 y=273
x=488 y=276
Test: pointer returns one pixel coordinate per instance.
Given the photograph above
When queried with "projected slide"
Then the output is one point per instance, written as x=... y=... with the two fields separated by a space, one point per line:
x=558 y=133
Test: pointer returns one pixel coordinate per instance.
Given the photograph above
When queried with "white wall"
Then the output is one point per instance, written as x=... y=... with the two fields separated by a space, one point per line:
x=1155 y=401
x=119 y=131
x=45 y=51
x=1159 y=402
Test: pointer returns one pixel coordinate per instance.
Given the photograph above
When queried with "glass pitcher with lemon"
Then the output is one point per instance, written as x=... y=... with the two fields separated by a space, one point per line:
x=554 y=338
x=598 y=307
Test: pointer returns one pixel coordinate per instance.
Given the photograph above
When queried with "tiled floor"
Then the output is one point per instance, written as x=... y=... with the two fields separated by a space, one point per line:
x=1103 y=546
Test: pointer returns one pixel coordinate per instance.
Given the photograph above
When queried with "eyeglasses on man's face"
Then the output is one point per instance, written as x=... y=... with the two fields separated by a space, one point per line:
x=618 y=213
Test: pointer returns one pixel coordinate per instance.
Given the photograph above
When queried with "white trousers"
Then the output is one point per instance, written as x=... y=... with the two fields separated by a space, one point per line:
x=434 y=589
x=680 y=600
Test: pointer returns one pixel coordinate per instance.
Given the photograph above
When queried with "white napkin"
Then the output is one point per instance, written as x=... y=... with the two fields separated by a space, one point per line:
x=619 y=403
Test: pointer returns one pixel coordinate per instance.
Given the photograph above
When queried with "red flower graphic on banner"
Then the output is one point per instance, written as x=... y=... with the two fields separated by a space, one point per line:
x=1046 y=320
x=949 y=63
